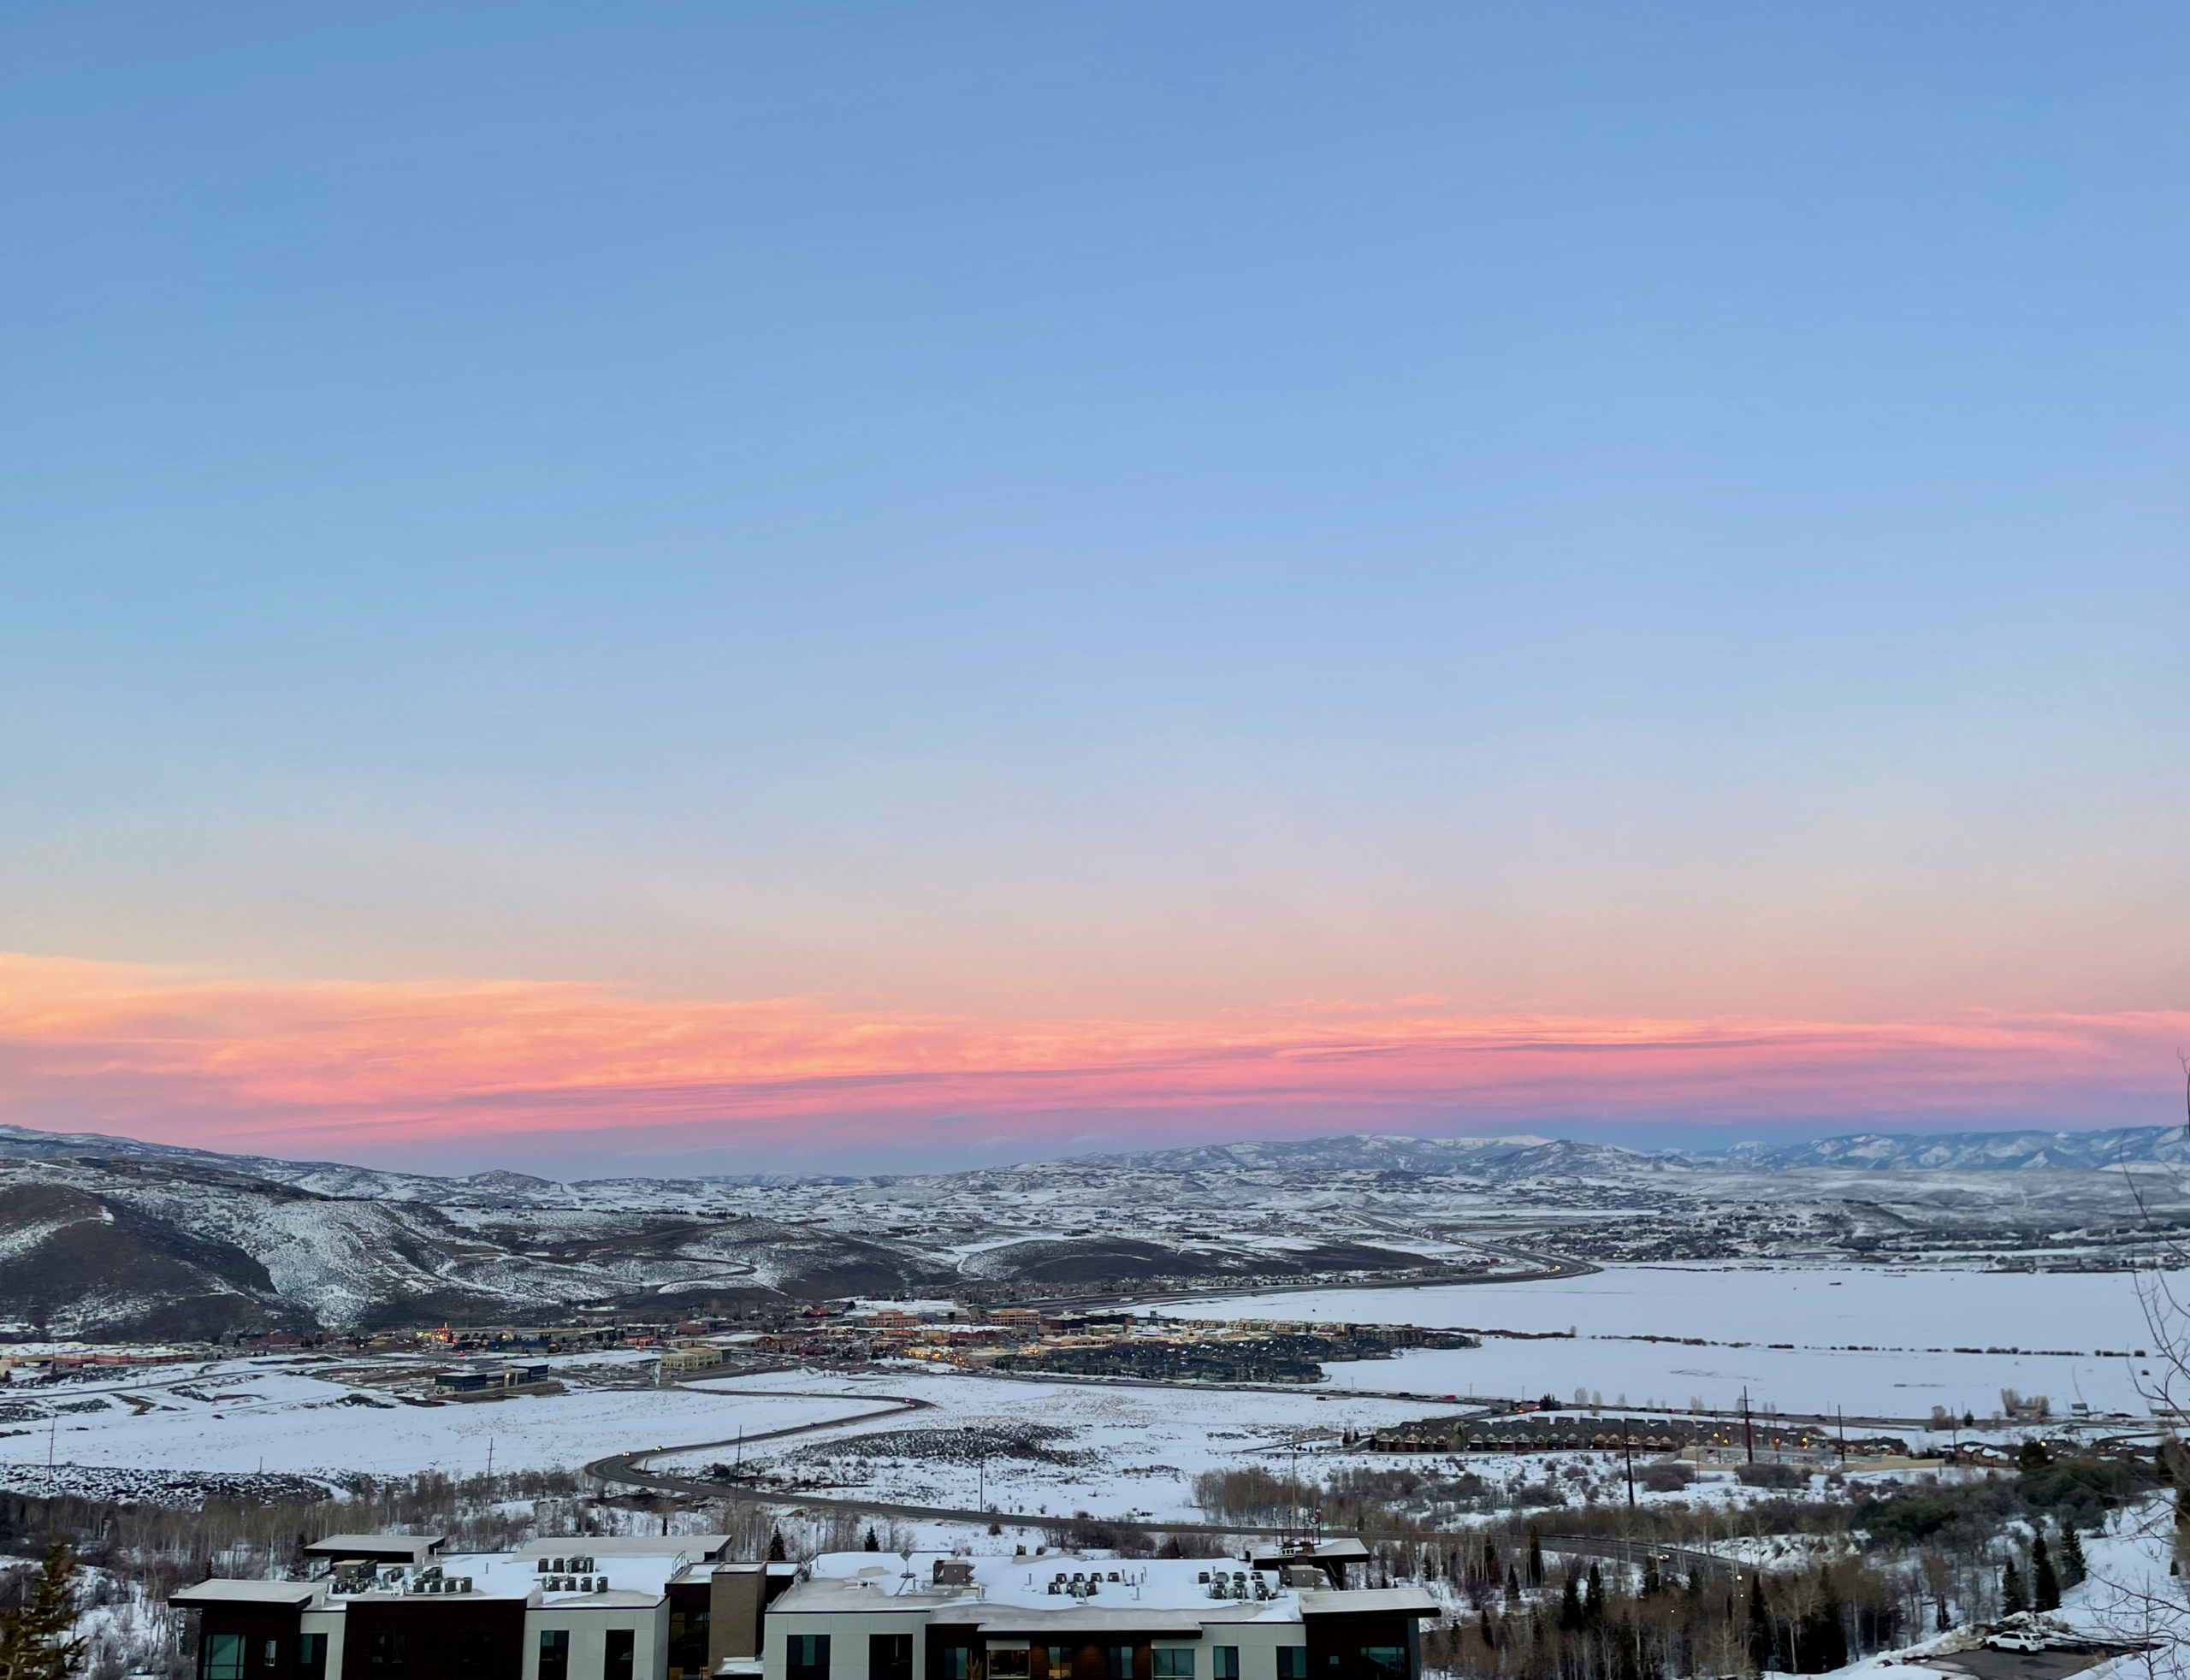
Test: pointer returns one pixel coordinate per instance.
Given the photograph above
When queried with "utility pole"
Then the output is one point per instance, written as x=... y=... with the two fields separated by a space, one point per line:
x=1627 y=1446
x=1749 y=1435
x=1841 y=1416
x=1296 y=1487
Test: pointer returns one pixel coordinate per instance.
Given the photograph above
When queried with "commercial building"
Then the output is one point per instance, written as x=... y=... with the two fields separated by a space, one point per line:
x=656 y=1608
x=1290 y=1616
x=399 y=1608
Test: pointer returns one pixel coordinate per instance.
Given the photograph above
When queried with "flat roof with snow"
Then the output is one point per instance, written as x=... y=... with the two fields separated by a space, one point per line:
x=391 y=1548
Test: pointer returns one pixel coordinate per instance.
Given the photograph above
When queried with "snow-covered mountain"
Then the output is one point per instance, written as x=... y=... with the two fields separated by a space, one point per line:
x=1494 y=1158
x=1973 y=1152
x=113 y=1238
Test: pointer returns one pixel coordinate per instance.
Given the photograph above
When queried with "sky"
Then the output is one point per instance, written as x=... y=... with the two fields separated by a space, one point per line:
x=768 y=586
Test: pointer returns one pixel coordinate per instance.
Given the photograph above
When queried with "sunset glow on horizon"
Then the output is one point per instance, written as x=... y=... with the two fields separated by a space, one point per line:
x=588 y=1077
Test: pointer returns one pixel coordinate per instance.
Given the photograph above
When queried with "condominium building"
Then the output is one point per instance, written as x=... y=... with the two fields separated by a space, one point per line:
x=399 y=1608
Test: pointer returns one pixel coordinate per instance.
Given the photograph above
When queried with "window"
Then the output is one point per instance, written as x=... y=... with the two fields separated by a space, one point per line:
x=311 y=1656
x=386 y=1652
x=890 y=1656
x=806 y=1656
x=1291 y=1662
x=1224 y=1662
x=474 y=1654
x=957 y=1663
x=616 y=1659
x=220 y=1657
x=269 y=1653
x=1175 y=1664
x=555 y=1653
x=1009 y=1662
x=1383 y=1662
x=1121 y=1662
x=1060 y=1662
x=688 y=1640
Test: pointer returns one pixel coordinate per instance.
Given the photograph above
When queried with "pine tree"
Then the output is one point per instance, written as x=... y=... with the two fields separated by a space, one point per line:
x=2045 y=1585
x=35 y=1637
x=1759 y=1628
x=1653 y=1583
x=1569 y=1606
x=1626 y=1655
x=2073 y=1567
x=873 y=1542
x=1535 y=1556
x=1593 y=1605
x=1489 y=1638
x=1826 y=1642
x=776 y=1554
x=2011 y=1602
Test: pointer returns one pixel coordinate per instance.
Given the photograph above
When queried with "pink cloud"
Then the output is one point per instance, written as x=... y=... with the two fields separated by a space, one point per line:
x=375 y=1070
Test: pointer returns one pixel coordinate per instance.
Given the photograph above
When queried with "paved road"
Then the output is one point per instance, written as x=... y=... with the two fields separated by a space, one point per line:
x=1672 y=1559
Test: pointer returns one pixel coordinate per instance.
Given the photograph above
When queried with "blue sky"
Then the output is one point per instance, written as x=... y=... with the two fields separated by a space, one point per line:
x=1120 y=511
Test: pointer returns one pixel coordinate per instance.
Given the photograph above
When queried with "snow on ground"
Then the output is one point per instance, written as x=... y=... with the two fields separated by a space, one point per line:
x=1122 y=1448
x=1901 y=1326
x=244 y=1416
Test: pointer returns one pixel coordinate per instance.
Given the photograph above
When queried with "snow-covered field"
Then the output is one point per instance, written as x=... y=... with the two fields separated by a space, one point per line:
x=245 y=1415
x=1121 y=1447
x=1878 y=1342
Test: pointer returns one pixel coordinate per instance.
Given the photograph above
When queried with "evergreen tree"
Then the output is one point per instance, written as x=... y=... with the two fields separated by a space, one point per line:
x=1626 y=1656
x=1825 y=1642
x=1653 y=1583
x=1512 y=1591
x=2045 y=1585
x=1569 y=1606
x=1969 y=1420
x=2073 y=1568
x=873 y=1542
x=36 y=1641
x=1759 y=1628
x=1535 y=1556
x=1593 y=1605
x=776 y=1554
x=1489 y=1638
x=2011 y=1600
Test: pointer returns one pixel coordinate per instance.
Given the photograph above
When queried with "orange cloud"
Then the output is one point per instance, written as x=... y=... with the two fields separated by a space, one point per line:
x=378 y=1068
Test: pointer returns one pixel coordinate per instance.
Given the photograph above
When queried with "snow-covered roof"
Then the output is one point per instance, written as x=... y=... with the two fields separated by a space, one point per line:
x=609 y=1581
x=417 y=1547
x=1369 y=1601
x=695 y=1547
x=246 y=1592
x=1135 y=1590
